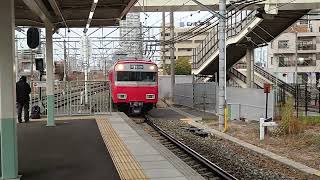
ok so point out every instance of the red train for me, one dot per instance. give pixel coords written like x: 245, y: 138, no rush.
x: 134, y: 85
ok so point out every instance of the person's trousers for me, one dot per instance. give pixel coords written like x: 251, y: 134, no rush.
x: 25, y: 107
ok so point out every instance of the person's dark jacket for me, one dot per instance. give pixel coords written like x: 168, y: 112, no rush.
x: 23, y: 90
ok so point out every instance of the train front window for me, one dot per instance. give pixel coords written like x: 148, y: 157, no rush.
x: 136, y: 76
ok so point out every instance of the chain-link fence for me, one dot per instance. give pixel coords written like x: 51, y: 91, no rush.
x: 74, y: 97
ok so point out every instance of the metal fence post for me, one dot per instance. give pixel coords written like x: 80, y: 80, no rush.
x: 69, y: 98
x: 110, y: 99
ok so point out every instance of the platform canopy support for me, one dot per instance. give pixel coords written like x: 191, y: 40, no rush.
x: 49, y: 72
x: 9, y: 155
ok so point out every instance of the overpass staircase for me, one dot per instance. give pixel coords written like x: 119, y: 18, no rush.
x: 244, y: 29
x: 264, y: 77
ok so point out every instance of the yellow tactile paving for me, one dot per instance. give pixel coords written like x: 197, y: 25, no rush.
x: 127, y: 167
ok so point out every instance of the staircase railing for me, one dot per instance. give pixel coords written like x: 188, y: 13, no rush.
x: 287, y: 87
x: 236, y: 22
x: 242, y: 77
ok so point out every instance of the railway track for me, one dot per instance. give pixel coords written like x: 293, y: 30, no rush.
x: 203, y: 166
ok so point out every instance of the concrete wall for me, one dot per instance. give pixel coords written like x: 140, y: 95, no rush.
x: 248, y: 103
x: 165, y: 83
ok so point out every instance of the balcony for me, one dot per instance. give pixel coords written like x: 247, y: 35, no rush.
x: 306, y: 45
x: 305, y: 63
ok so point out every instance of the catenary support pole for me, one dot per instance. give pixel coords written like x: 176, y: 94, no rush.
x: 252, y: 68
x: 9, y: 155
x: 222, y: 63
x: 49, y: 74
x: 17, y: 59
x: 163, y: 40
x: 172, y: 55
x: 86, y: 68
x: 65, y: 60
x: 248, y: 62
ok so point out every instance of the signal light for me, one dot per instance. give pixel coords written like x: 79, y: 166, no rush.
x: 33, y: 38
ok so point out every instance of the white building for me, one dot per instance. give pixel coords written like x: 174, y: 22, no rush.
x: 296, y: 50
x: 131, y: 35
x: 183, y: 48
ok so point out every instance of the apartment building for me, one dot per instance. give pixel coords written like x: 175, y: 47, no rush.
x: 183, y: 48
x: 296, y: 50
x: 131, y: 35
x: 25, y: 64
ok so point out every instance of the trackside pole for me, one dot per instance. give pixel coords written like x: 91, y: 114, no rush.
x: 222, y: 63
x: 50, y: 88
x: 172, y: 55
x: 9, y: 155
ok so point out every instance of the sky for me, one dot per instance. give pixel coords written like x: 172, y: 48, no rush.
x: 147, y: 19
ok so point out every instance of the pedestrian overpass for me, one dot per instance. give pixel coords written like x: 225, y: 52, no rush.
x: 189, y: 5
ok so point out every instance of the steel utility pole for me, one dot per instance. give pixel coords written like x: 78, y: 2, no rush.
x: 296, y: 54
x: 65, y: 61
x: 163, y: 41
x: 172, y: 54
x: 141, y: 42
x: 222, y: 63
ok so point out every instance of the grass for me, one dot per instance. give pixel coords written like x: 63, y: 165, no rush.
x: 208, y: 119
x: 310, y: 120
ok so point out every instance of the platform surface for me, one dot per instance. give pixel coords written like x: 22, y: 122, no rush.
x: 72, y: 150
x: 150, y: 159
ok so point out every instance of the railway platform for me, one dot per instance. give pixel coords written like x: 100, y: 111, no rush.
x: 97, y: 147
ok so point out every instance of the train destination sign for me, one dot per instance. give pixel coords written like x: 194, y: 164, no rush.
x: 136, y: 66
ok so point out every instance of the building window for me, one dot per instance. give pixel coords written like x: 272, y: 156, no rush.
x: 271, y: 60
x: 304, y: 21
x: 284, y: 61
x: 283, y: 44
x: 186, y: 41
x: 185, y: 49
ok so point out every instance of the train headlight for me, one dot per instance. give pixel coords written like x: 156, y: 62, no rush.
x: 153, y: 67
x: 119, y: 67
x: 122, y: 96
x: 150, y: 96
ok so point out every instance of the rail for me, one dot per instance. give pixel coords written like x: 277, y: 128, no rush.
x: 219, y: 171
x: 236, y: 22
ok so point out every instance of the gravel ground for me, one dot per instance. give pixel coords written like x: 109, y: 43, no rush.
x: 238, y: 161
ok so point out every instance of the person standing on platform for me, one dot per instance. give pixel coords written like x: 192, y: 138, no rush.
x: 23, y: 90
